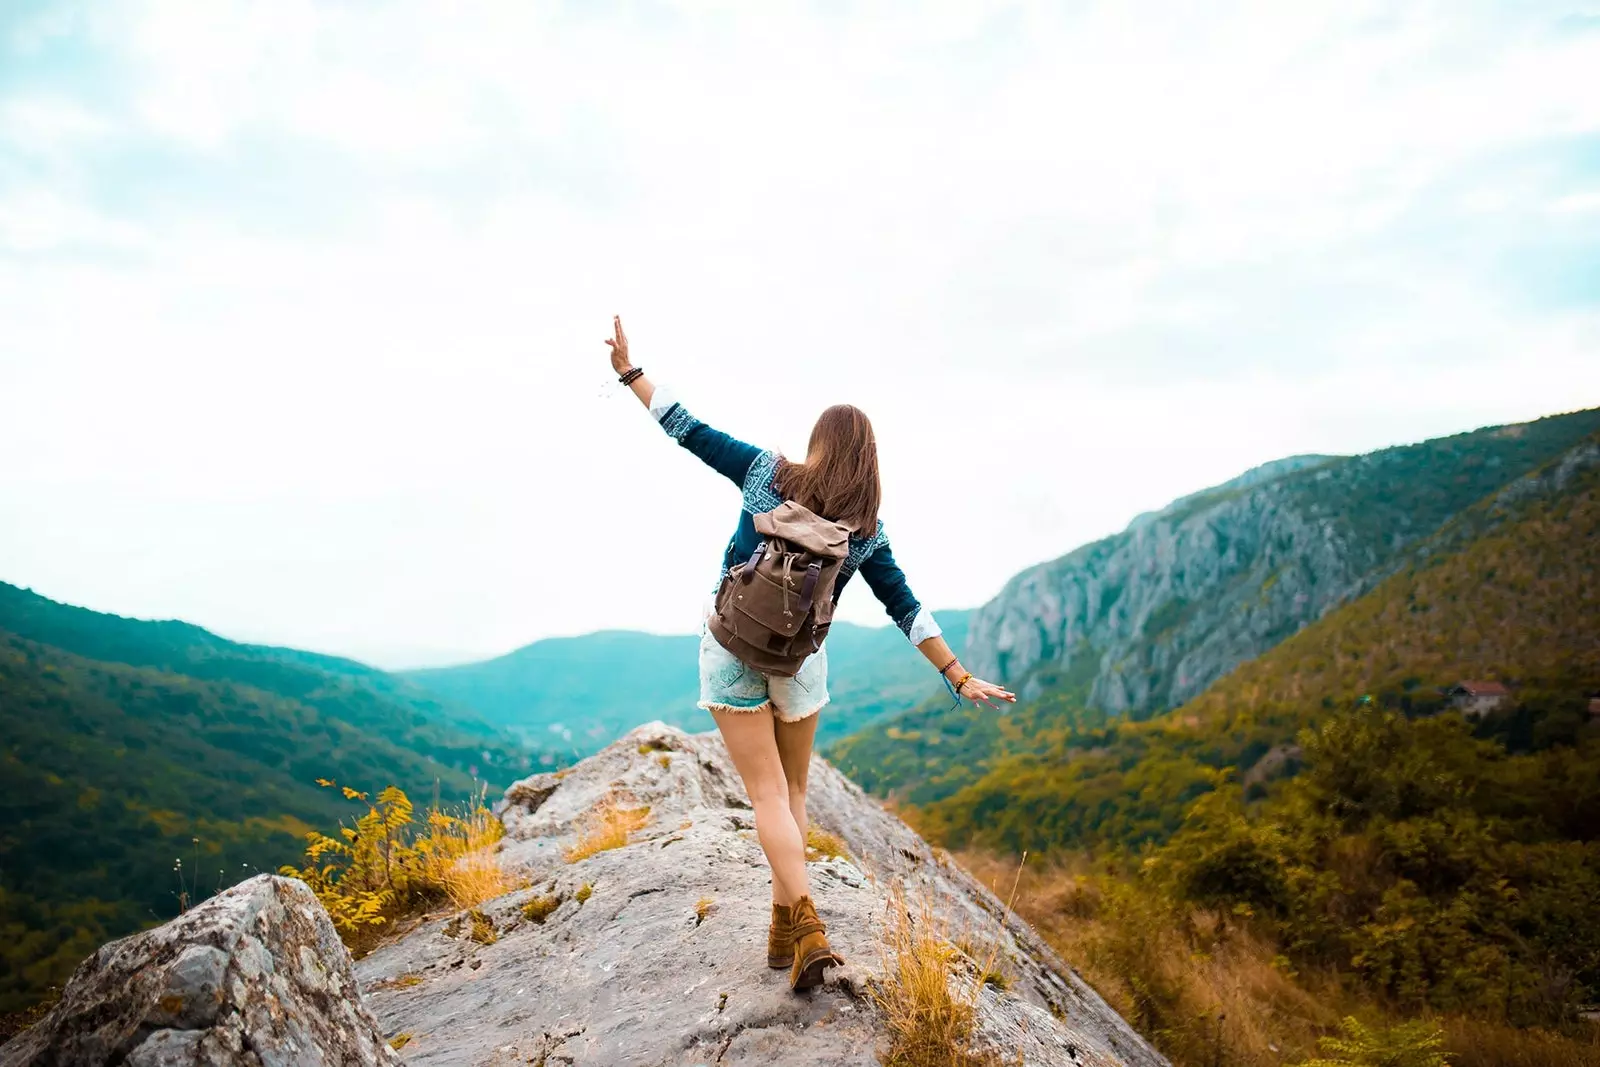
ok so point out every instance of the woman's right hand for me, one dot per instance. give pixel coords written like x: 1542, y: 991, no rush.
x: 619, y: 347
x: 981, y: 692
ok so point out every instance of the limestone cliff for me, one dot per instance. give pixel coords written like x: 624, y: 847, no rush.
x: 1147, y: 618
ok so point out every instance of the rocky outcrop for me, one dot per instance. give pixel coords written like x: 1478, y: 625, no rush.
x: 254, y: 976
x: 1148, y: 618
x: 654, y: 953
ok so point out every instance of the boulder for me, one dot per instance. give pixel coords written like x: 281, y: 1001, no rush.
x: 655, y: 953
x: 254, y: 976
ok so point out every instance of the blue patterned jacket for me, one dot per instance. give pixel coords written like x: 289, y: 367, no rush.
x: 752, y: 469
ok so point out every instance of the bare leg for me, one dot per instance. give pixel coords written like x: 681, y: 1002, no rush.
x: 752, y: 742
x: 794, y: 750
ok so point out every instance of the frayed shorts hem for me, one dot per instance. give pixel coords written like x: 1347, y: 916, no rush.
x: 765, y: 705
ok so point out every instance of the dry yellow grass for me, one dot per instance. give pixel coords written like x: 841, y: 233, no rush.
x: 1472, y: 1043
x: 462, y: 857
x: 607, y: 827
x: 702, y: 909
x: 929, y: 1024
x: 1202, y: 991
x: 821, y: 844
x: 1207, y: 991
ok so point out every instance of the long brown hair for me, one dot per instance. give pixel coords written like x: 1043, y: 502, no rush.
x: 839, y: 479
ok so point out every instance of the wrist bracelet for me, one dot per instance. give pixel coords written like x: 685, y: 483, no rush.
x: 965, y: 678
x: 631, y: 376
x: 952, y: 663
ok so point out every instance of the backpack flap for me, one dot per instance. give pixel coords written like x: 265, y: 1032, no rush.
x: 804, y: 529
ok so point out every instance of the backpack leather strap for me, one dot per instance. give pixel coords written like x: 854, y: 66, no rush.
x: 749, y: 571
x: 809, y: 586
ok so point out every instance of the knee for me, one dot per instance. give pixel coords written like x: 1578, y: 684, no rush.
x: 772, y: 792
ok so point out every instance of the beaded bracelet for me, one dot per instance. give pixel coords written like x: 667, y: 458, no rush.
x: 965, y: 678
x: 953, y: 661
x: 632, y: 375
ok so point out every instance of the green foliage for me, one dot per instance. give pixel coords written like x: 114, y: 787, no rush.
x: 340, y: 691
x: 1513, y: 597
x: 1413, y: 1044
x: 541, y: 907
x: 1438, y: 864
x: 387, y: 866
x: 1415, y: 858
x: 112, y: 768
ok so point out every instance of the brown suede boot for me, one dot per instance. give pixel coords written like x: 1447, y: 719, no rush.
x: 812, y: 954
x: 780, y: 942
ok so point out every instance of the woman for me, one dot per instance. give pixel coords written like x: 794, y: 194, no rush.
x: 768, y: 720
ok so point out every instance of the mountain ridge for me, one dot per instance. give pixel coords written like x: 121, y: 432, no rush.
x: 1146, y: 619
x: 1505, y: 592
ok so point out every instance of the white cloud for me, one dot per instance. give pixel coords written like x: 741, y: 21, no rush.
x: 319, y: 361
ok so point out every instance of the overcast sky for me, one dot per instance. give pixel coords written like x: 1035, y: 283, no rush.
x: 301, y: 305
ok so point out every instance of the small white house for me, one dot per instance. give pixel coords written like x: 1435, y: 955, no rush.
x: 1477, y: 699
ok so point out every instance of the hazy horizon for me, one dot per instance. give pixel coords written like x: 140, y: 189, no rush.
x: 304, y: 304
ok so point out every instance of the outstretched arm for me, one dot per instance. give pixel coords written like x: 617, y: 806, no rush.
x: 889, y: 585
x: 726, y: 455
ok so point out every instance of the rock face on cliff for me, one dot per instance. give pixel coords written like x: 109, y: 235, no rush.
x: 1146, y: 619
x: 254, y: 976
x: 654, y: 953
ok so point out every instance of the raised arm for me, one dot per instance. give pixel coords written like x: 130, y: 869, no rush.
x: 723, y: 453
x: 888, y: 583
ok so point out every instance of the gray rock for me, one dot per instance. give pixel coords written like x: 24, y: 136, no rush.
x: 664, y: 961
x: 256, y: 975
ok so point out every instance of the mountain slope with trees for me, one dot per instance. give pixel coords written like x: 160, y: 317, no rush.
x: 1141, y: 622
x: 1509, y: 592
x: 144, y: 760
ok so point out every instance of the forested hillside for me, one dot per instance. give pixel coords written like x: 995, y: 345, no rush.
x: 130, y: 746
x: 1140, y: 622
x: 1322, y: 834
x: 1512, y: 594
x: 581, y: 693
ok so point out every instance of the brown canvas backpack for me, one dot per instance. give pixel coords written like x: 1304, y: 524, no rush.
x: 774, y: 609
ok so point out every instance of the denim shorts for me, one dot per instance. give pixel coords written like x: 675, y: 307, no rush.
x: 726, y: 684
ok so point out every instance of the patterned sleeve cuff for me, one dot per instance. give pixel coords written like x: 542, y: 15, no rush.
x: 923, y: 626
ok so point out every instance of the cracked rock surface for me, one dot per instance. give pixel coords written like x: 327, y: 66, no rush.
x: 254, y: 976
x: 655, y: 953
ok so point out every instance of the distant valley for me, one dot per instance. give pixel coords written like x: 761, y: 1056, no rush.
x: 576, y: 694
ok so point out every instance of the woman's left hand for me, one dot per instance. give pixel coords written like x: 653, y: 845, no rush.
x: 981, y: 692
